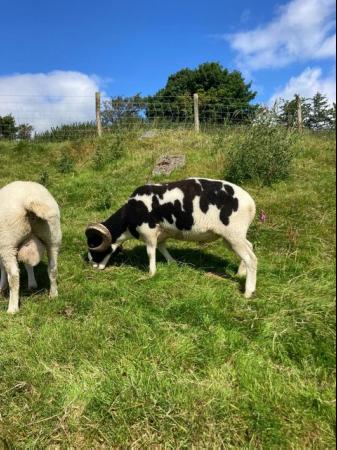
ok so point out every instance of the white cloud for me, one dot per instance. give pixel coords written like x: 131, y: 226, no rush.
x: 303, y: 30
x: 307, y: 84
x: 49, y: 99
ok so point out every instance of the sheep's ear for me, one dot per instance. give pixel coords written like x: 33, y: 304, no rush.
x: 98, y: 237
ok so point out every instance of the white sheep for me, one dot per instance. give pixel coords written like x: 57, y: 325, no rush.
x: 29, y: 225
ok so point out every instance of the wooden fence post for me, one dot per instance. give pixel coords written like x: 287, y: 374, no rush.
x: 196, y: 113
x: 98, y: 114
x: 299, y: 114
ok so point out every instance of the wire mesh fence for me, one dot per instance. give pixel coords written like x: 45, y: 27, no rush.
x: 50, y: 118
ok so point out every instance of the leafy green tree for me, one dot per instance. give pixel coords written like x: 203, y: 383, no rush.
x: 8, y: 128
x: 122, y: 109
x: 224, y: 95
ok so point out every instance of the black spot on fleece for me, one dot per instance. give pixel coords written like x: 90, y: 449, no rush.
x: 135, y: 212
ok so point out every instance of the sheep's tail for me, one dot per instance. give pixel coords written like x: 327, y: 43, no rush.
x: 40, y: 210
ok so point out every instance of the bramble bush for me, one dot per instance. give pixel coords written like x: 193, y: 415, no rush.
x: 263, y: 153
x: 67, y: 132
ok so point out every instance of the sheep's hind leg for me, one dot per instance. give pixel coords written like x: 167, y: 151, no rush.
x: 3, y: 280
x: 163, y: 250
x: 32, y: 284
x: 244, y: 250
x: 52, y: 270
x: 12, y: 269
x: 242, y: 271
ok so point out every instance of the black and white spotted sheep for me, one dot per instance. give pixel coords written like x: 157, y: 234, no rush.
x: 195, y: 209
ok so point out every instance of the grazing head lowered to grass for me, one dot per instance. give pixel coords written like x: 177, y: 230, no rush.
x: 195, y: 209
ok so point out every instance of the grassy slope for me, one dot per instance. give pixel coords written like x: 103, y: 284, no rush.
x: 183, y: 358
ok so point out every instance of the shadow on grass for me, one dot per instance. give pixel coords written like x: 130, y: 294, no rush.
x: 213, y: 266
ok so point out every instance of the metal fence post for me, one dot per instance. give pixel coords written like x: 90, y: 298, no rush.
x: 196, y: 113
x: 98, y: 114
x: 299, y: 113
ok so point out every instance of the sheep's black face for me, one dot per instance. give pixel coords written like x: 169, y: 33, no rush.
x: 94, y: 238
x: 98, y: 257
x: 101, y: 259
x: 99, y: 250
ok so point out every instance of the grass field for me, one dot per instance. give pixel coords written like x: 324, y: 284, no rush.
x: 182, y: 359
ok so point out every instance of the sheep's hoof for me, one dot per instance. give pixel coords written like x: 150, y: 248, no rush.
x: 12, y: 311
x: 32, y: 287
x: 241, y: 273
x: 53, y: 294
x: 249, y: 294
x: 172, y: 261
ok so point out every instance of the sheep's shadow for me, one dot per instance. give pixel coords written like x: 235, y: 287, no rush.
x: 214, y: 266
x: 42, y: 279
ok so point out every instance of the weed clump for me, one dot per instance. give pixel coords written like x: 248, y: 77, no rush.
x: 104, y: 200
x: 109, y: 150
x: 22, y: 146
x: 263, y: 154
x: 44, y: 178
x: 65, y: 164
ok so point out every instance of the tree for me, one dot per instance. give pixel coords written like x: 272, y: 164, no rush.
x: 333, y: 116
x: 321, y: 114
x: 223, y: 95
x: 288, y: 114
x: 8, y: 128
x: 24, y: 131
x: 317, y: 114
x: 122, y: 109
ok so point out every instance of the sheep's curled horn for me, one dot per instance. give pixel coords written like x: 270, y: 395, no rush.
x: 105, y: 234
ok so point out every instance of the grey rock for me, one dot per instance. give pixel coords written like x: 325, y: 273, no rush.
x: 167, y: 164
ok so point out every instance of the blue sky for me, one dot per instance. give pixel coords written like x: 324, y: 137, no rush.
x: 73, y: 47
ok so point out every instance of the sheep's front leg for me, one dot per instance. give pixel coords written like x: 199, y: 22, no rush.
x: 151, y: 251
x: 32, y: 284
x: 3, y: 280
x: 52, y: 270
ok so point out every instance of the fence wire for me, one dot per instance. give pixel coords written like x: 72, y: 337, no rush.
x: 49, y: 118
